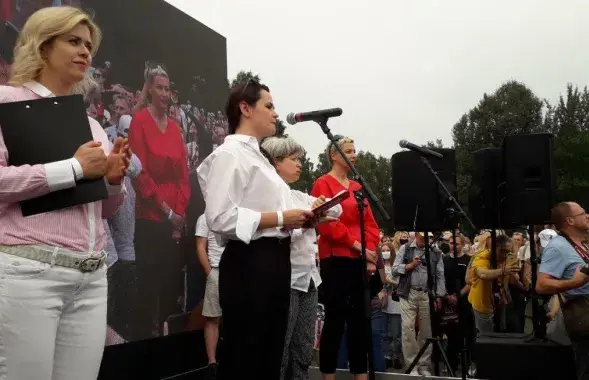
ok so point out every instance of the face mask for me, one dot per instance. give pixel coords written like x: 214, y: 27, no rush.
x: 445, y: 247
x: 403, y: 241
x: 386, y: 255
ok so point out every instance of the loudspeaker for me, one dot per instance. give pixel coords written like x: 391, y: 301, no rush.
x: 530, y: 179
x: 484, y: 193
x: 510, y: 357
x: 418, y: 202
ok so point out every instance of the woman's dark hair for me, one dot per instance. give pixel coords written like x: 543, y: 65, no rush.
x: 248, y: 92
x: 502, y: 241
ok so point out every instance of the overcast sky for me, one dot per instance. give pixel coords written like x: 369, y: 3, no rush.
x: 399, y: 69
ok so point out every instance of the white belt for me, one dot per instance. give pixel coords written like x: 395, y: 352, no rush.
x: 84, y: 262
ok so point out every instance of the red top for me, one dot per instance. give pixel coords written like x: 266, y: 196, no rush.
x: 164, y: 177
x: 337, y: 238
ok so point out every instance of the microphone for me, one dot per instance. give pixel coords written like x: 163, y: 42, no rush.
x: 419, y: 149
x: 293, y: 118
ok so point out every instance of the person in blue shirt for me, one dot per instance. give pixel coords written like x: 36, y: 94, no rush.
x: 560, y: 270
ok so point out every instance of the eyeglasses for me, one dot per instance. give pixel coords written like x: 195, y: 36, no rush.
x: 579, y: 214
x: 250, y: 80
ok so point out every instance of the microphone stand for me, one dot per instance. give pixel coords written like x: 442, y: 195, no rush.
x: 360, y: 195
x: 454, y: 211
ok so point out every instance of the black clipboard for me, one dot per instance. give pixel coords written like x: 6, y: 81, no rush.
x: 46, y: 130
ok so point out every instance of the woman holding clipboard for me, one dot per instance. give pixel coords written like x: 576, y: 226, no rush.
x: 342, y: 267
x: 285, y: 153
x: 53, y: 287
x: 250, y: 209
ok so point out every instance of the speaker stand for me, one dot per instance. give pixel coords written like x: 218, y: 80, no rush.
x: 435, y: 342
x: 538, y: 319
x: 454, y: 213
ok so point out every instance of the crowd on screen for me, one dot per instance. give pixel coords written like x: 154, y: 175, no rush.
x: 142, y: 245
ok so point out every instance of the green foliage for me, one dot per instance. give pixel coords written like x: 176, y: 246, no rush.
x: 244, y: 76
x: 438, y: 144
x: 512, y: 108
x: 323, y: 165
x: 377, y: 172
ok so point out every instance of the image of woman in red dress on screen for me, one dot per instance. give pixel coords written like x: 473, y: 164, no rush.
x: 163, y: 192
x: 342, y: 267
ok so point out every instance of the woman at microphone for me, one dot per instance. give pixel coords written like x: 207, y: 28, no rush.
x: 251, y: 210
x: 285, y: 154
x: 342, y: 267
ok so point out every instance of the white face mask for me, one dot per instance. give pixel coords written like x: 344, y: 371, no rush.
x: 386, y: 255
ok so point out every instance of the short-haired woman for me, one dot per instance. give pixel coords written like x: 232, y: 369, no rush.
x: 53, y: 287
x: 285, y: 154
x: 342, y: 267
x: 251, y: 209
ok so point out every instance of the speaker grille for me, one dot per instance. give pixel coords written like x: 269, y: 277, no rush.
x: 418, y: 202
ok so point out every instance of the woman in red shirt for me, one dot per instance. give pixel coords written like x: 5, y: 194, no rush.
x: 163, y: 192
x: 342, y: 267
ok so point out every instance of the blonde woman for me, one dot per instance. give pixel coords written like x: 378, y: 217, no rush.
x: 480, y: 277
x: 400, y: 238
x: 163, y: 193
x: 53, y: 287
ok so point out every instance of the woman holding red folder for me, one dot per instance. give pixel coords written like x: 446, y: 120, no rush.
x: 53, y: 286
x: 342, y: 266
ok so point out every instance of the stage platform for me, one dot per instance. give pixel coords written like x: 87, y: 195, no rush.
x: 314, y: 374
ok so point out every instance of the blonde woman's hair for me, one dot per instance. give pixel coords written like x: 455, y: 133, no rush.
x: 152, y: 72
x: 331, y: 149
x: 397, y: 238
x: 482, y: 242
x: 41, y: 28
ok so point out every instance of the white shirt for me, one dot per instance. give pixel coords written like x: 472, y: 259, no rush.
x: 238, y: 184
x: 214, y: 251
x: 303, y: 250
x: 392, y: 307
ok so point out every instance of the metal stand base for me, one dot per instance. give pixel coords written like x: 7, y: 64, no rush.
x: 437, y: 345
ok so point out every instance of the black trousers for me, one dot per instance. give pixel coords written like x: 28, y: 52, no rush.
x: 343, y: 298
x: 254, y: 291
x: 160, y: 280
x: 457, y: 332
x: 122, y: 291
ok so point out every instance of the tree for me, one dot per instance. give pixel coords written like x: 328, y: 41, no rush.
x: 512, y: 108
x: 244, y: 76
x: 568, y: 121
x: 377, y: 173
x: 438, y: 144
x: 323, y: 165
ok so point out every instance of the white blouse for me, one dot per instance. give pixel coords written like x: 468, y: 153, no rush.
x: 303, y: 251
x: 238, y: 184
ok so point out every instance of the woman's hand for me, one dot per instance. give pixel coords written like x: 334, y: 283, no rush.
x: 293, y: 219
x: 118, y: 161
x: 176, y: 235
x: 319, y: 201
x: 92, y: 160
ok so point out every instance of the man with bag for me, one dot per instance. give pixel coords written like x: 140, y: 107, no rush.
x: 561, y: 273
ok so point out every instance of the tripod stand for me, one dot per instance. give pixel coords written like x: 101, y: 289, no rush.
x: 360, y: 196
x: 453, y: 213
